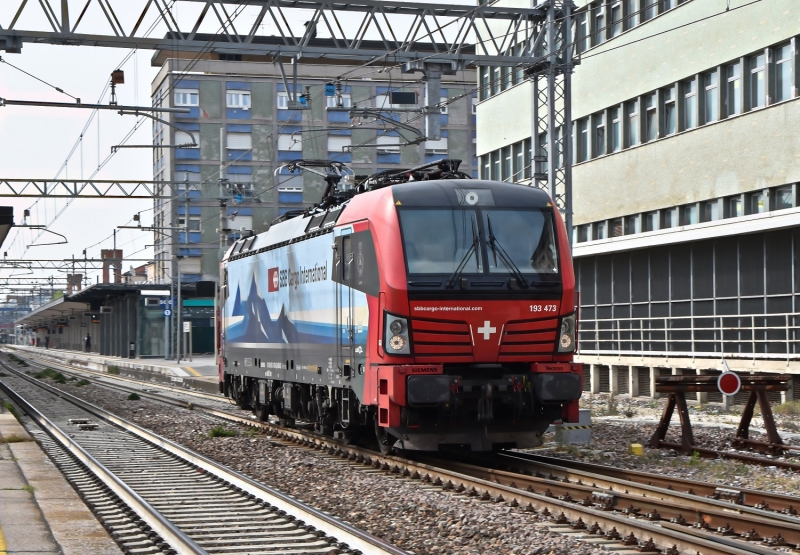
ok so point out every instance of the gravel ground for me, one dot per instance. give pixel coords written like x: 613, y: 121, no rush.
x: 712, y: 428
x: 421, y: 521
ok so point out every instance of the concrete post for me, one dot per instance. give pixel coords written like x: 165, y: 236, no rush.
x: 653, y: 374
x: 702, y: 397
x: 594, y: 373
x: 633, y: 381
x: 613, y: 379
x: 787, y: 396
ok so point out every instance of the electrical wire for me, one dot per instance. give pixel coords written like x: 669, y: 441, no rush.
x: 40, y: 80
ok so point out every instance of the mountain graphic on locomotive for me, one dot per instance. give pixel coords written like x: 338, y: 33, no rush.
x: 420, y: 309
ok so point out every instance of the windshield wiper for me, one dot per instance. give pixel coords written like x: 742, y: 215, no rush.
x: 476, y: 240
x: 497, y: 249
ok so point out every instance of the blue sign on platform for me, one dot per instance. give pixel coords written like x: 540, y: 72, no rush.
x: 167, y: 313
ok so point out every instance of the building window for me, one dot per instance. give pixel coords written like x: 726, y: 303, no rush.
x: 711, y: 97
x: 599, y: 231
x: 496, y: 166
x: 474, y: 106
x: 783, y: 72
x: 388, y: 144
x: 733, y: 92
x: 581, y: 32
x: 616, y: 227
x: 690, y: 104
x: 583, y: 233
x: 651, y: 106
x: 485, y: 167
x: 616, y: 19
x: 666, y: 4
x: 194, y: 222
x: 650, y: 221
x: 600, y: 134
x: 599, y: 25
x: 332, y: 101
x: 758, y: 89
x: 437, y: 147
x: 633, y: 122
x: 709, y: 211
x: 240, y: 141
x: 505, y: 154
x: 669, y: 218
x: 583, y: 140
x: 784, y: 198
x: 293, y: 142
x: 518, y: 161
x: 337, y: 144
x: 758, y: 202
x: 689, y: 214
x: 496, y: 79
x: 670, y: 111
x: 650, y: 9
x: 631, y: 13
x: 486, y: 77
x: 735, y: 208
x: 238, y: 99
x: 632, y: 225
x: 187, y: 97
x: 616, y: 129
x: 283, y: 101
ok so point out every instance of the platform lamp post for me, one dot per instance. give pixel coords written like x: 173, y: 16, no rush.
x: 179, y: 313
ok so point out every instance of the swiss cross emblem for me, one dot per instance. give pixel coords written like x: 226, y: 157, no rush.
x: 273, y: 279
x: 487, y: 330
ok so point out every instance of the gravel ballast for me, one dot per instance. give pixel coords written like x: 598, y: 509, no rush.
x: 420, y: 519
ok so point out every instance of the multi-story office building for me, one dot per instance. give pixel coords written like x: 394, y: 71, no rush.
x: 245, y: 104
x: 685, y: 118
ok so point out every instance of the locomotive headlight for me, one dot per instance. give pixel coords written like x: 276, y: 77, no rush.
x: 566, y: 341
x: 395, y: 335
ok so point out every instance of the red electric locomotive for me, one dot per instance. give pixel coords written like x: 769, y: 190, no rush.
x: 422, y: 308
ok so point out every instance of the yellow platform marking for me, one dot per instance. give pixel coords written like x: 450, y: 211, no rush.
x: 3, y: 545
x: 193, y: 371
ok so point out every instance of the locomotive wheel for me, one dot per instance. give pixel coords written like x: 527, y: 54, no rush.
x: 262, y: 412
x: 385, y: 439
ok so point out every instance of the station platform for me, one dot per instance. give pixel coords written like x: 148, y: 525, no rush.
x: 40, y: 513
x: 199, y: 373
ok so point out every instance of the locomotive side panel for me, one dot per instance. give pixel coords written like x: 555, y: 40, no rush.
x: 284, y: 313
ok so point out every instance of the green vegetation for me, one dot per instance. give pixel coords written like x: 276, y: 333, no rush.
x: 12, y: 439
x: 133, y: 397
x: 790, y: 408
x: 221, y: 431
x: 694, y: 460
x: 29, y: 488
x: 11, y: 408
x: 54, y: 375
x: 81, y: 383
x: 3, y: 375
x: 113, y: 370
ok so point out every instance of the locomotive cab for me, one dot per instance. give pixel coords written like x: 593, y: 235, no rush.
x: 481, y: 332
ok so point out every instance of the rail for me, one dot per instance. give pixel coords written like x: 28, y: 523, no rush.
x: 767, y: 336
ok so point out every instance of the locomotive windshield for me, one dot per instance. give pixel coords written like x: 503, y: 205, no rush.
x: 439, y: 240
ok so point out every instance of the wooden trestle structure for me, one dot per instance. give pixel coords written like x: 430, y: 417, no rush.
x: 676, y: 387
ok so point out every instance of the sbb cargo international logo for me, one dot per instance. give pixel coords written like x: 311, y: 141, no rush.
x: 273, y: 281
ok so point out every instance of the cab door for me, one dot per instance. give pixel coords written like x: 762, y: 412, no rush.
x: 345, y: 318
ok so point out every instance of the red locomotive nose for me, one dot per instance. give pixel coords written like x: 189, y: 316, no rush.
x: 483, y: 331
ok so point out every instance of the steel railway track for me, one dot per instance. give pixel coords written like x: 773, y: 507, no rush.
x: 599, y: 508
x: 166, y: 499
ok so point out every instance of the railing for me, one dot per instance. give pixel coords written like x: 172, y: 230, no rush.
x: 774, y: 336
